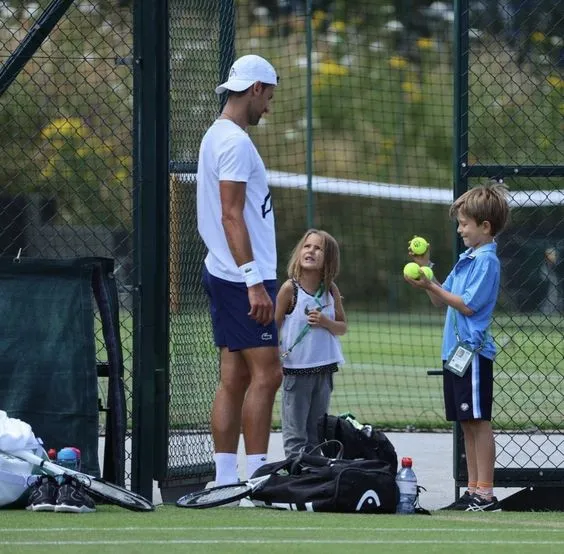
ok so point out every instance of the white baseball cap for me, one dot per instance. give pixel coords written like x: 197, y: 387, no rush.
x: 246, y: 71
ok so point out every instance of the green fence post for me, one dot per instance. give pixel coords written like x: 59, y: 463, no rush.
x: 460, y: 159
x: 226, y: 42
x: 30, y: 44
x: 309, y: 115
x: 151, y: 177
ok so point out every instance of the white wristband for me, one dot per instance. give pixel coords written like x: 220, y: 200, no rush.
x: 251, y: 273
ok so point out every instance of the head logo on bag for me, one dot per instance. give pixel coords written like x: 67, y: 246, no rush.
x: 368, y: 501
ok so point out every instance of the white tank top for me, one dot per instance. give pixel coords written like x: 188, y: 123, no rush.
x: 319, y: 346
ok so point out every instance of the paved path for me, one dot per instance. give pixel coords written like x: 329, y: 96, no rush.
x: 432, y: 463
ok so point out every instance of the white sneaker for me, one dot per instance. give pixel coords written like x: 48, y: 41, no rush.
x: 246, y: 503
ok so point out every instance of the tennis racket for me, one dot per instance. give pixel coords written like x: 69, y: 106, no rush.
x: 224, y: 494
x: 109, y: 492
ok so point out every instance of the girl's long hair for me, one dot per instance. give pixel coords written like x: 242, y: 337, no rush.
x: 331, y: 260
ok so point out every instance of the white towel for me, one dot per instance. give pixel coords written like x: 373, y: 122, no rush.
x: 16, y: 434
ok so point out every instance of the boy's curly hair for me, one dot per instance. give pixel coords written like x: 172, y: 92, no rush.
x: 487, y: 202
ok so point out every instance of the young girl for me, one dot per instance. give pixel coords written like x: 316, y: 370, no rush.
x: 310, y: 316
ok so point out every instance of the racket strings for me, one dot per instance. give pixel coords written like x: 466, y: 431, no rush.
x: 221, y: 494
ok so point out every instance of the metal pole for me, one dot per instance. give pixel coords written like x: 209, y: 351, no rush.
x: 151, y: 153
x: 309, y: 116
x: 226, y: 42
x: 34, y: 39
x: 460, y: 167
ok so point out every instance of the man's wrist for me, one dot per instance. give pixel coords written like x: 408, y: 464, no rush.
x: 251, y: 273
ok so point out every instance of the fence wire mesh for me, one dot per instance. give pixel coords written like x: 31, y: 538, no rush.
x: 379, y: 105
x: 516, y: 68
x: 382, y: 122
x: 66, y: 145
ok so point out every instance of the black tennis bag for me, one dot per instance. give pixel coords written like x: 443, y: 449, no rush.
x: 319, y: 484
x: 358, y: 440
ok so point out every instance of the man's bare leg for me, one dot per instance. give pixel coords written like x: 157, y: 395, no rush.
x: 226, y: 414
x: 266, y: 375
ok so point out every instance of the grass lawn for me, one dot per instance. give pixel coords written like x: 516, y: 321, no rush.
x: 170, y: 529
x: 385, y: 380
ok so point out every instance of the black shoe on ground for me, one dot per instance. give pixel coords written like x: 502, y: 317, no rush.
x: 480, y: 504
x: 73, y: 498
x: 43, y: 495
x: 460, y: 504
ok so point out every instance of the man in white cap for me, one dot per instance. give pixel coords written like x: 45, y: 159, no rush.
x: 236, y: 223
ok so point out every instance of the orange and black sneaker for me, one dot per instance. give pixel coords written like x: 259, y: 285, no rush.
x: 480, y: 504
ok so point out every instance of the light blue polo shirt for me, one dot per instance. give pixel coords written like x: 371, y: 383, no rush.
x: 475, y: 278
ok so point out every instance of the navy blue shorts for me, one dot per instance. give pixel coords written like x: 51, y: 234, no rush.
x: 470, y: 396
x: 229, y: 306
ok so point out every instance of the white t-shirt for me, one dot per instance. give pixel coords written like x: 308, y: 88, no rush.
x: 228, y: 154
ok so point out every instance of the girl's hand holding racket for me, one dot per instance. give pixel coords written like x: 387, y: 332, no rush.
x: 316, y: 319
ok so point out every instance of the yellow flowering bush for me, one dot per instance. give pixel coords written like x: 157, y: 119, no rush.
x: 338, y: 27
x: 555, y: 82
x: 424, y: 43
x: 65, y: 127
x: 86, y: 174
x: 331, y: 68
x: 397, y: 62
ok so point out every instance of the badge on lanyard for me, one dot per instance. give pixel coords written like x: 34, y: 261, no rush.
x: 460, y: 359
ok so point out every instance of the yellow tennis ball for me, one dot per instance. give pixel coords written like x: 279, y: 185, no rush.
x: 411, y: 270
x: 428, y: 272
x: 418, y: 245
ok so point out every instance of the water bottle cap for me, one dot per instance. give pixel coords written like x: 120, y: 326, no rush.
x: 75, y: 450
x: 406, y: 462
x: 66, y: 454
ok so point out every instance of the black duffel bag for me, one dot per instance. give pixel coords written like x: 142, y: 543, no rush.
x: 358, y: 440
x: 314, y: 483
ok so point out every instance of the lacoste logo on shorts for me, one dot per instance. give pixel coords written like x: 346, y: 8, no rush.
x: 266, y: 336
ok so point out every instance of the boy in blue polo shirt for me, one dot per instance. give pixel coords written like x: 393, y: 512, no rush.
x: 470, y: 292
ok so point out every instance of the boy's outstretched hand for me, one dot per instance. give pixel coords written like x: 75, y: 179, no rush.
x: 422, y: 259
x: 421, y: 283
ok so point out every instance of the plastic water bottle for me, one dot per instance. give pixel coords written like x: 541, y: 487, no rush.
x: 407, y: 484
x: 69, y: 457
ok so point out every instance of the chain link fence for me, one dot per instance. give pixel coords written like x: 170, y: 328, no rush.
x: 66, y: 143
x: 359, y: 143
x: 514, y: 131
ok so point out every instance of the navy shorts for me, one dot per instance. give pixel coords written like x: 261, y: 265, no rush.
x: 471, y: 396
x: 229, y: 306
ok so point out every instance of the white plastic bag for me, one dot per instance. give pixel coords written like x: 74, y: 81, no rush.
x: 16, y: 475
